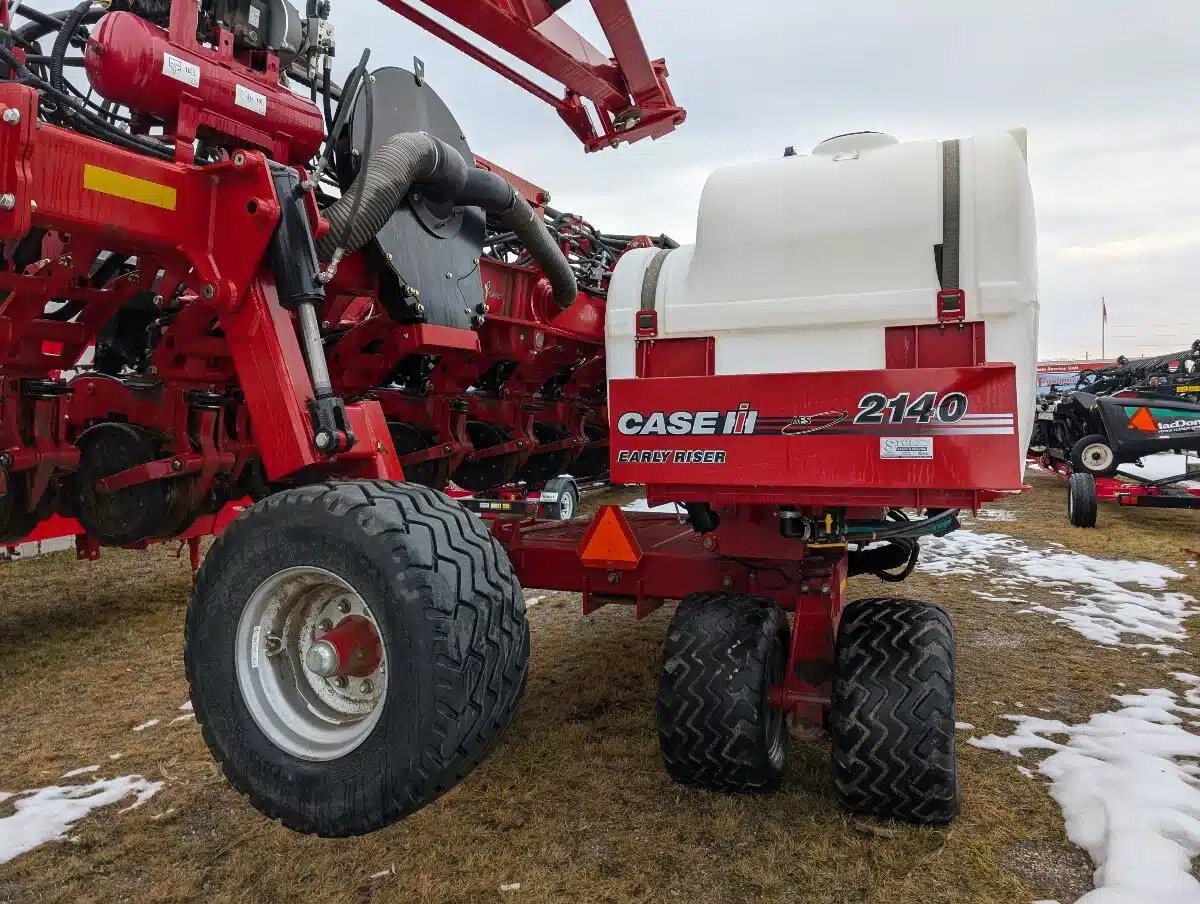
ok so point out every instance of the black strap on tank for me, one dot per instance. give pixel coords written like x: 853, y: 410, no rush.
x: 951, y: 214
x: 650, y: 280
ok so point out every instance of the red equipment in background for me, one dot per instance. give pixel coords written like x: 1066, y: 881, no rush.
x: 338, y: 338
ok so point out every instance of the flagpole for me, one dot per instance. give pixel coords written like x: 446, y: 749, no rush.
x: 1103, y: 327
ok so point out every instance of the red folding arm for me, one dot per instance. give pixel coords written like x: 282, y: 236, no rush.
x: 630, y: 94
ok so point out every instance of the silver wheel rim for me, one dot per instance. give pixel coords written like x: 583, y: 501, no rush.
x: 1097, y: 456
x: 566, y: 505
x: 300, y: 712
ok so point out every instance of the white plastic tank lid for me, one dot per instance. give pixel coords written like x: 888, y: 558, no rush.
x: 853, y: 143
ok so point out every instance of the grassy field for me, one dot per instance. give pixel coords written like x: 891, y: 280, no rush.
x: 574, y: 805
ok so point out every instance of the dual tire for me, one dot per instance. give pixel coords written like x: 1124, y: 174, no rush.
x: 891, y: 718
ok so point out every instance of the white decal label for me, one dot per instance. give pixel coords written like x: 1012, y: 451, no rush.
x: 251, y: 100
x: 181, y: 70
x: 255, y: 16
x: 255, y: 643
x: 920, y: 447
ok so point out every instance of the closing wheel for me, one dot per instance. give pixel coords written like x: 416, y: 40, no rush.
x: 353, y: 651
x: 716, y: 726
x: 1093, y: 455
x: 892, y: 714
x: 1081, y: 500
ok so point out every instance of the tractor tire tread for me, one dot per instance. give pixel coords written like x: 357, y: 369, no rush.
x: 480, y: 645
x: 710, y: 700
x: 892, y: 718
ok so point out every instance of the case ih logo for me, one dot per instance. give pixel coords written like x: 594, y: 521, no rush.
x: 689, y: 423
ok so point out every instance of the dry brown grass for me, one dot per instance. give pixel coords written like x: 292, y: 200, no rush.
x: 574, y: 805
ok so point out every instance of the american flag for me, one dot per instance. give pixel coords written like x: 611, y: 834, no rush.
x: 1104, y: 309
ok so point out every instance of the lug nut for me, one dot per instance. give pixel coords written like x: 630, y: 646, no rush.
x: 325, y: 625
x: 341, y: 681
x: 344, y: 607
x: 273, y: 645
x: 366, y: 687
x: 12, y: 116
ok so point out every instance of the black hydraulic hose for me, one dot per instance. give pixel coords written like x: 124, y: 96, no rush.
x: 360, y: 190
x: 487, y: 190
x: 70, y: 25
x: 94, y: 125
x: 41, y: 24
x: 383, y: 183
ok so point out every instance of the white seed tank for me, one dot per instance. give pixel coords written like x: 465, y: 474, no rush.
x: 801, y: 262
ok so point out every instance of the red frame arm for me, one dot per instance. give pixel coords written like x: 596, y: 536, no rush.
x: 630, y: 94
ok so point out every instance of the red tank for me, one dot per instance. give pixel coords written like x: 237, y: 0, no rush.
x: 198, y: 90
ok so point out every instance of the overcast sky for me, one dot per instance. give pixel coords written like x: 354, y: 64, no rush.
x: 1109, y: 90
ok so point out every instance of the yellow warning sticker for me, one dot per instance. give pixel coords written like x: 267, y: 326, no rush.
x: 131, y: 188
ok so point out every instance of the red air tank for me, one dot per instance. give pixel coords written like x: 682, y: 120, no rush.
x: 199, y: 90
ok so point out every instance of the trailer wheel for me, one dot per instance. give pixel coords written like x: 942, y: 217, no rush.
x: 1093, y: 455
x: 716, y: 727
x: 1081, y: 500
x: 353, y: 651
x: 892, y: 715
x: 560, y: 498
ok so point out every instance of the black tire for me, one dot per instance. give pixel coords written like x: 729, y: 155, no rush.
x: 560, y: 498
x: 892, y: 715
x: 451, y: 618
x: 1081, y: 500
x: 1084, y: 456
x: 716, y: 727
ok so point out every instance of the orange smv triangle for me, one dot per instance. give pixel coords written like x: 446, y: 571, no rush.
x: 1143, y: 420
x: 609, y: 542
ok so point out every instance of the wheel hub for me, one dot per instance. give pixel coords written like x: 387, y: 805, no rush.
x: 1098, y: 456
x: 310, y: 663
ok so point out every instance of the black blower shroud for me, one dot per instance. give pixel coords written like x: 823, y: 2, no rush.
x: 429, y: 245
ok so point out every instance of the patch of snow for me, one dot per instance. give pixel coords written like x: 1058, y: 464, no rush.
x: 964, y: 726
x: 186, y: 707
x: 511, y: 886
x: 163, y: 815
x: 186, y: 717
x: 143, y: 795
x: 82, y: 770
x: 533, y: 601
x: 47, y: 814
x: 145, y: 725
x: 1025, y: 771
x: 994, y: 514
x: 641, y: 505
x: 1105, y: 600
x: 1126, y: 783
x: 115, y: 756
